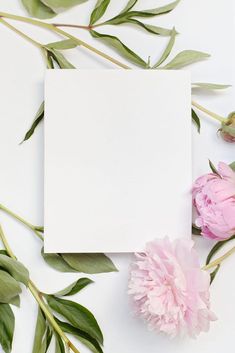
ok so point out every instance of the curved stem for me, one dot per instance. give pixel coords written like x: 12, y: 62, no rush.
x: 21, y: 34
x: 39, y: 298
x: 219, y: 259
x: 22, y: 220
x: 72, y: 26
x: 208, y: 112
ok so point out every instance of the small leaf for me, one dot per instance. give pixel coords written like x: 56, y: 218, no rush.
x: 57, y: 262
x: 196, y: 120
x: 86, y: 339
x: 121, y: 48
x: 214, y: 273
x: 38, y: 9
x: 216, y: 248
x: 196, y: 230
x: 40, y: 332
x: 209, y: 86
x: 184, y: 58
x: 62, y: 44
x: 151, y: 28
x: 154, y: 12
x: 167, y: 50
x: 15, y: 268
x: 39, y: 116
x: 77, y: 315
x: 60, y: 59
x: 129, y: 6
x: 62, y: 5
x: 15, y: 301
x: 89, y: 263
x: 74, y: 288
x: 99, y: 10
x: 59, y: 345
x: 232, y: 165
x: 9, y: 287
x: 213, y: 168
x: 7, y: 327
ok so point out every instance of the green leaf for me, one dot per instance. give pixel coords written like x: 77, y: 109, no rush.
x: 62, y: 44
x: 196, y: 230
x: 15, y: 301
x: 129, y: 6
x: 232, y: 165
x: 61, y: 5
x: 184, y: 58
x: 167, y: 50
x: 216, y: 248
x: 196, y: 120
x: 86, y: 339
x: 154, y: 12
x: 99, y: 10
x: 15, y: 268
x: 39, y: 345
x: 151, y: 28
x: 121, y: 48
x: 59, y: 345
x: 7, y: 327
x: 89, y: 263
x: 38, y: 9
x: 57, y: 262
x: 77, y: 315
x: 74, y: 288
x: 213, y: 168
x: 214, y: 273
x: 39, y: 117
x: 209, y: 86
x: 9, y: 287
x: 60, y: 59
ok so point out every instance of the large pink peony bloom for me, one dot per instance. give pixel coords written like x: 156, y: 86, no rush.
x: 214, y: 199
x: 169, y: 289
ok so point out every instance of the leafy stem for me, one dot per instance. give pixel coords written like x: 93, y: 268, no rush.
x: 219, y: 259
x: 20, y: 219
x: 40, y: 299
x: 208, y: 112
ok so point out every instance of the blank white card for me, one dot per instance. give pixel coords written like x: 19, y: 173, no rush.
x: 117, y: 159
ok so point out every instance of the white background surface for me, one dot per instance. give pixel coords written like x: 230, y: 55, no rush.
x: 204, y: 25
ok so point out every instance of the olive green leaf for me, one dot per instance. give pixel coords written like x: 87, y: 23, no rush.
x: 62, y: 44
x: 15, y: 269
x: 77, y: 315
x: 36, y: 8
x: 9, y: 287
x: 15, y: 301
x: 213, y: 168
x: 167, y: 50
x: 57, y: 262
x: 232, y: 165
x: 99, y: 10
x: 209, y: 86
x: 129, y: 6
x: 151, y: 28
x: 74, y: 288
x: 214, y: 273
x: 196, y: 120
x: 154, y: 12
x: 217, y: 247
x: 89, y: 263
x: 60, y: 59
x: 59, y: 345
x: 184, y: 58
x: 61, y: 5
x: 7, y: 326
x: 196, y: 230
x: 121, y: 48
x: 85, y: 338
x: 39, y: 344
x: 39, y: 117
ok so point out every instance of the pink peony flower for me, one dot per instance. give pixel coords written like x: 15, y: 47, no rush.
x: 214, y: 199
x: 169, y: 289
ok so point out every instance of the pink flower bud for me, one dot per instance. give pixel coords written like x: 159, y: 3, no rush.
x: 227, y: 129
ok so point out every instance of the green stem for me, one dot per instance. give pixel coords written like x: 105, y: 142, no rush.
x: 208, y: 112
x: 20, y: 219
x: 21, y: 34
x: 51, y: 27
x: 39, y: 298
x: 219, y: 259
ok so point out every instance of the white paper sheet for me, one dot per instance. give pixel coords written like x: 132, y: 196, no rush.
x: 117, y: 158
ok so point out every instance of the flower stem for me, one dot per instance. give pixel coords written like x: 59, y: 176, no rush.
x: 20, y: 219
x: 39, y: 298
x: 219, y: 260
x: 21, y: 34
x: 51, y: 27
x: 208, y: 112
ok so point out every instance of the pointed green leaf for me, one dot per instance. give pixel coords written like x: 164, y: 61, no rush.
x: 196, y: 230
x: 184, y: 58
x: 62, y: 44
x: 216, y: 248
x: 154, y: 12
x: 9, y: 287
x: 7, y: 327
x: 57, y: 262
x: 151, y: 28
x: 213, y: 168
x: 15, y: 268
x: 209, y: 86
x: 129, y: 6
x: 59, y: 345
x: 74, y: 288
x: 196, y: 120
x: 99, y: 10
x: 62, y: 5
x: 89, y: 263
x: 214, y: 273
x: 77, y: 315
x: 121, y: 48
x: 38, y: 9
x: 167, y: 50
x: 39, y: 345
x: 60, y: 59
x: 232, y: 165
x: 86, y: 339
x: 39, y: 117
x: 15, y: 301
